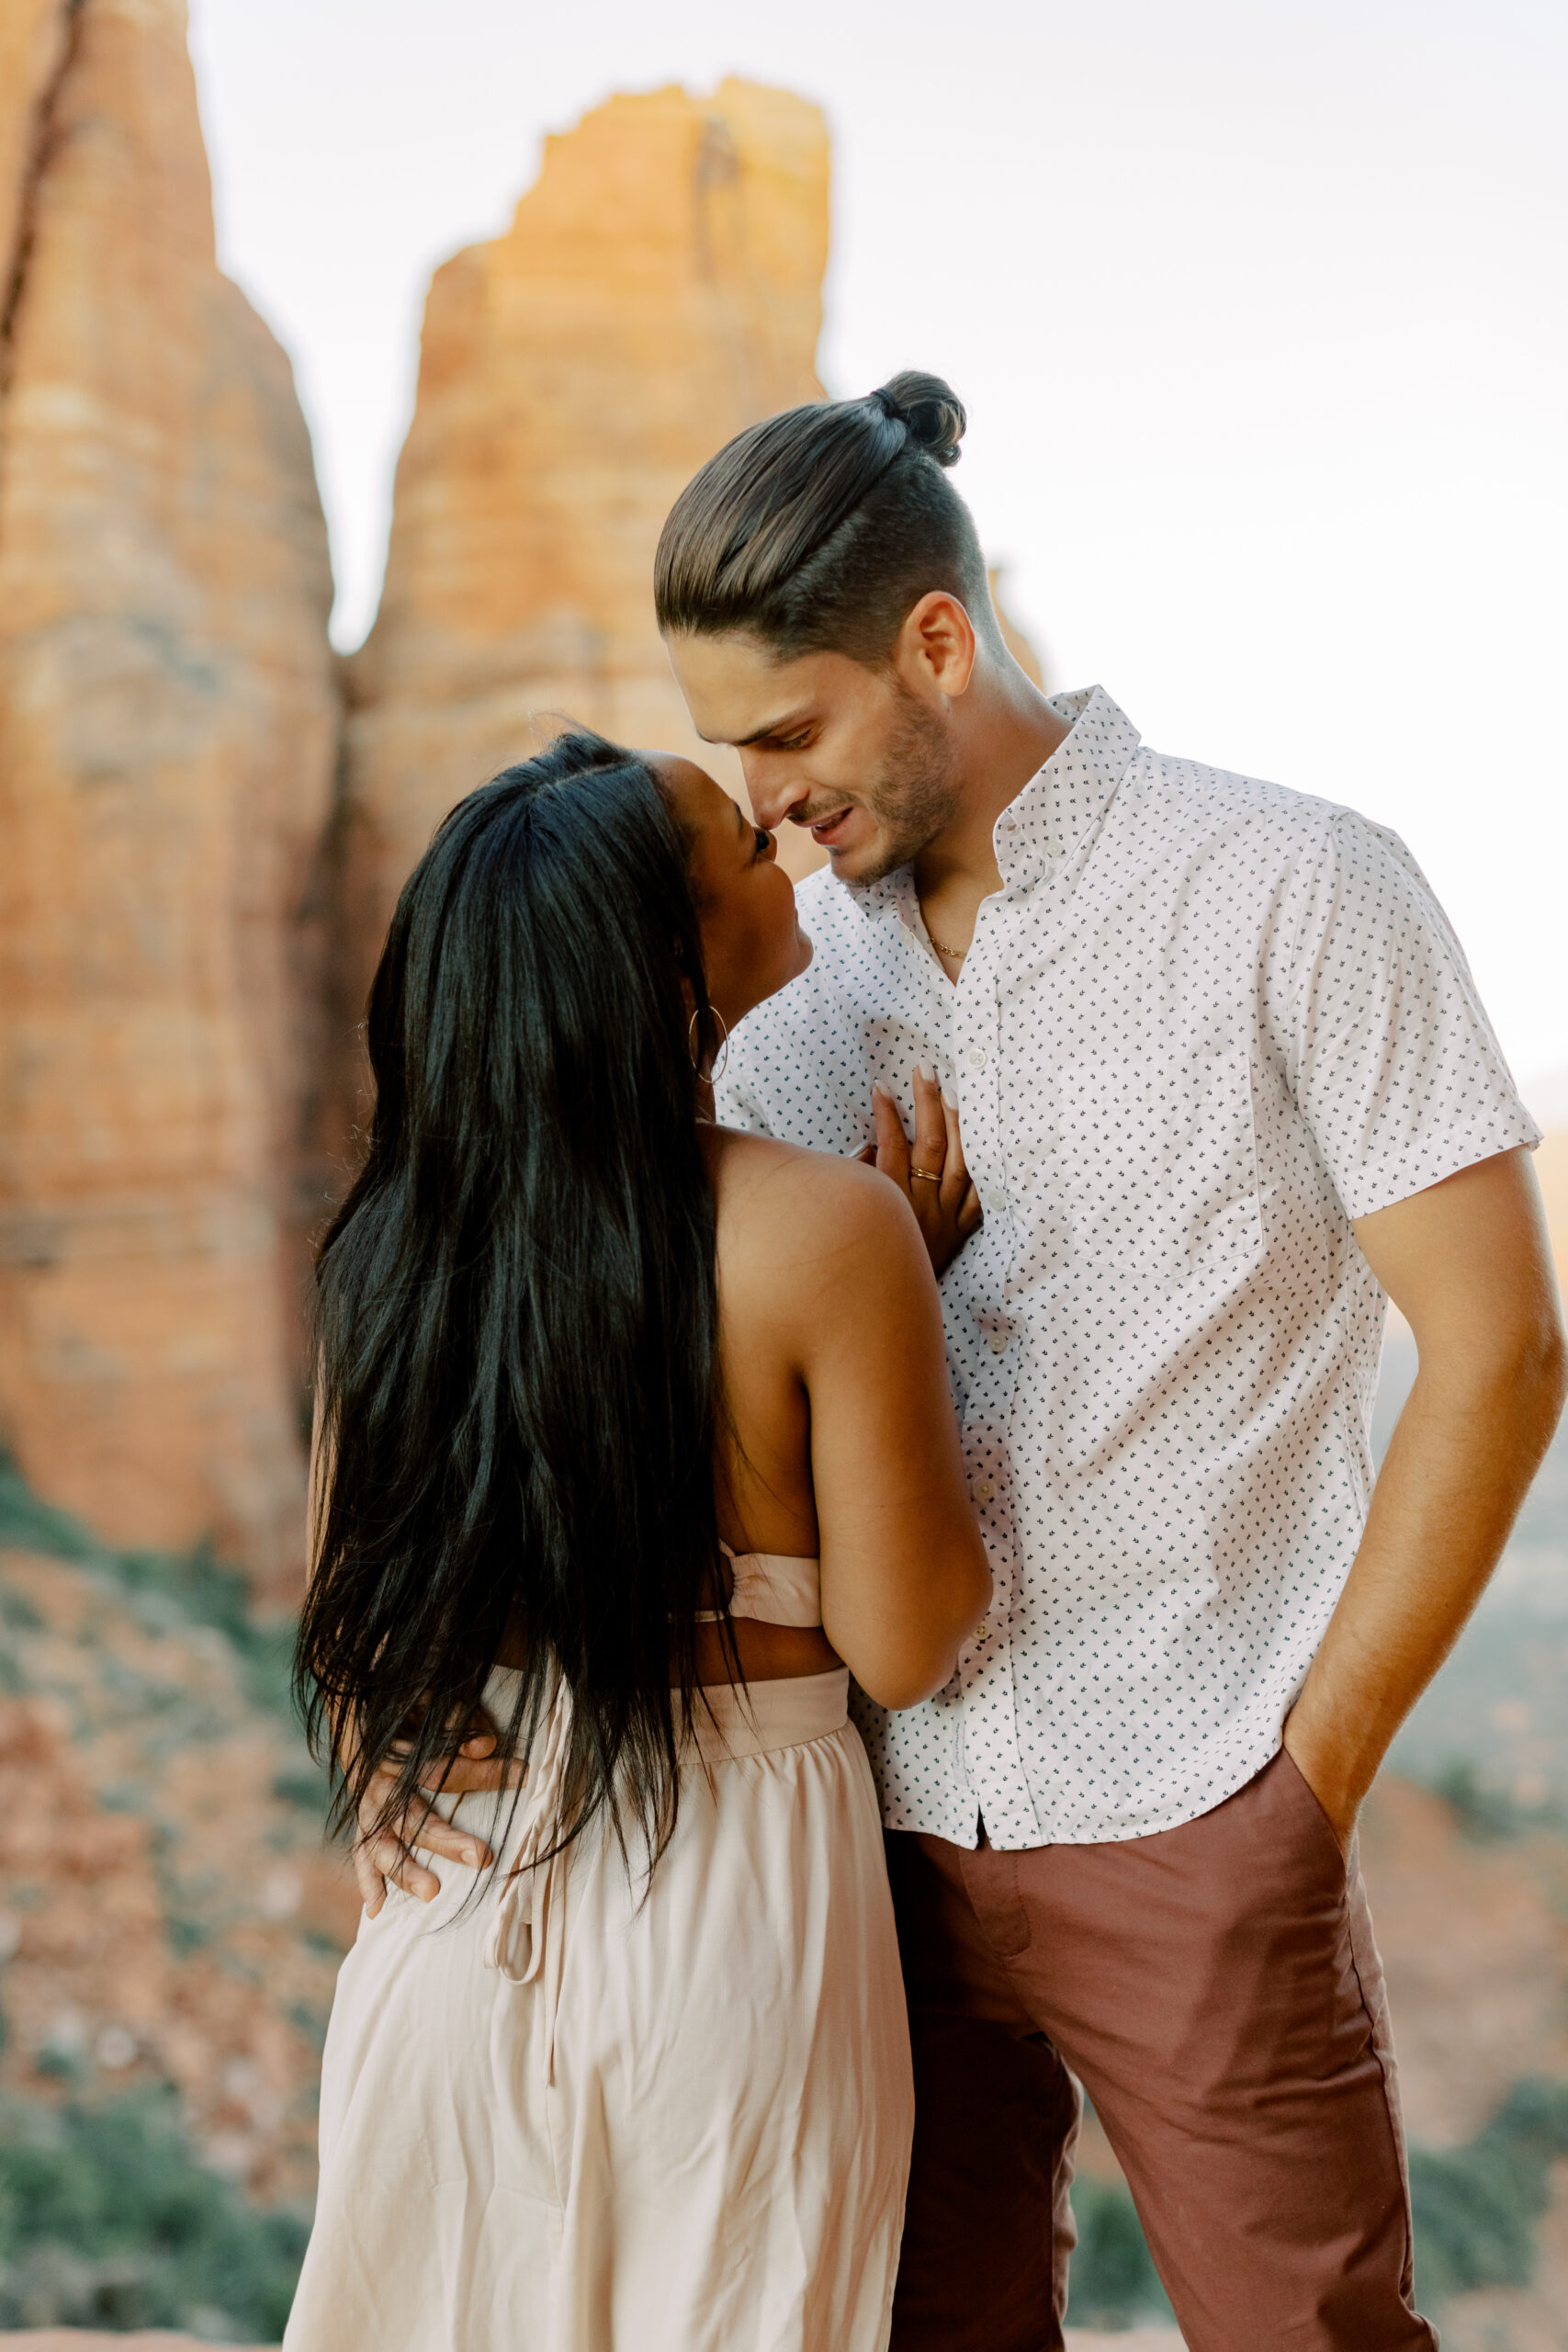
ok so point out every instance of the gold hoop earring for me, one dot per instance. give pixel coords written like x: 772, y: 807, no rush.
x: 722, y: 1061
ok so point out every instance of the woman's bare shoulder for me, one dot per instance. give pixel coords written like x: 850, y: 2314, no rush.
x: 796, y: 1220
x: 757, y: 1175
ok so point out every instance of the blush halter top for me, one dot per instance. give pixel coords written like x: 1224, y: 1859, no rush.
x: 773, y: 1588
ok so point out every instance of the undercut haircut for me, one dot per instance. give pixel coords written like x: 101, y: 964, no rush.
x: 820, y: 529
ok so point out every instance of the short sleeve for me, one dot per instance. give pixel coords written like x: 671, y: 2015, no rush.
x: 1395, y: 1065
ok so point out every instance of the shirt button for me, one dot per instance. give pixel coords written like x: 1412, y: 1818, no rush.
x: 997, y: 1342
x: 1052, y: 849
x: 983, y: 1490
x: 976, y: 1057
x: 982, y: 1631
x: 996, y: 1200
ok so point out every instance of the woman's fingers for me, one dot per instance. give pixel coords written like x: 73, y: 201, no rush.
x: 384, y: 1848
x: 398, y: 1866
x: 430, y: 1835
x: 372, y: 1885
x: 892, y: 1143
x: 955, y: 1183
x: 929, y: 1155
x: 930, y: 1172
x: 422, y: 1830
x: 373, y: 1802
x: 958, y: 1187
x: 384, y: 1852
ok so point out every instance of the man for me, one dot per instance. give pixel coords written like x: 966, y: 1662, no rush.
x: 1224, y: 1081
x: 1224, y: 1085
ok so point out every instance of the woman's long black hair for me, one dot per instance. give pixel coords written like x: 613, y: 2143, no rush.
x: 516, y: 1313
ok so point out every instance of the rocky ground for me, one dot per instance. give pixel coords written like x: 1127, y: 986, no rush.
x: 172, y: 1921
x: 74, y: 2339
x: 171, y: 1928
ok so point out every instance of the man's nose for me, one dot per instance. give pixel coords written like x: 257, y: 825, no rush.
x: 773, y: 792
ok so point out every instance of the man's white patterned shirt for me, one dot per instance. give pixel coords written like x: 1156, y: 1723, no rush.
x: 1205, y: 1025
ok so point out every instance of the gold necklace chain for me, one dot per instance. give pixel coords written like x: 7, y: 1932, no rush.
x: 957, y: 953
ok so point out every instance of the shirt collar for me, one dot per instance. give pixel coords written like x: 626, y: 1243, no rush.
x: 1062, y: 806
x: 1059, y: 808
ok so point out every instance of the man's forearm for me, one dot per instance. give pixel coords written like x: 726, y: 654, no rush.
x: 1468, y: 1443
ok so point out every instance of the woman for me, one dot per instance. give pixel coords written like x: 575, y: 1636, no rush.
x: 635, y: 1433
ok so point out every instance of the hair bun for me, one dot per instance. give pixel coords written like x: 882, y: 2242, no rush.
x: 930, y: 410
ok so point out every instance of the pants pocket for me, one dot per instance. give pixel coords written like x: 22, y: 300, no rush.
x: 1308, y: 1806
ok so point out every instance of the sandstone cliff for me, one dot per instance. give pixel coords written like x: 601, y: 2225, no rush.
x: 168, y: 739
x: 35, y: 44
x: 660, y: 288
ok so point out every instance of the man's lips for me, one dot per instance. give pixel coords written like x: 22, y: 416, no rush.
x: 827, y: 829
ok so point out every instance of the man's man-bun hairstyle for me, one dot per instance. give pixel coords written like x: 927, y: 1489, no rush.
x: 930, y: 411
x: 817, y: 530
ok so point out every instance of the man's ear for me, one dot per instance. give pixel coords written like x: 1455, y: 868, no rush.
x: 937, y: 644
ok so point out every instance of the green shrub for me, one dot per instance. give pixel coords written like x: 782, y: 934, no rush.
x: 1484, y: 1813
x: 34, y: 1526
x: 184, y: 1588
x: 1476, y: 2207
x: 106, y: 2220
x: 1113, y: 2281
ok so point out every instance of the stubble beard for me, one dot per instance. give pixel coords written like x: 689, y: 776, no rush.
x: 916, y: 795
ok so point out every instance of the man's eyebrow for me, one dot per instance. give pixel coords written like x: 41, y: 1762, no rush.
x: 784, y: 726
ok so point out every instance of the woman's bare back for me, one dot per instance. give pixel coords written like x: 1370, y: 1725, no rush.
x: 762, y: 1465
x: 838, y: 1440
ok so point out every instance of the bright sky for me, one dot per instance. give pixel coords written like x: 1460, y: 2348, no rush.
x: 1257, y: 306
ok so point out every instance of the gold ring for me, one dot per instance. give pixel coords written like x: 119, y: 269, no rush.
x: 925, y: 1175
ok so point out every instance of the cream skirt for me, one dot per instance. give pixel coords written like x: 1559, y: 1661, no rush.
x: 567, y: 2119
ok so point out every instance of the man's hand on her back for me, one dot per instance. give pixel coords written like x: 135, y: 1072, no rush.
x: 931, y: 1174
x: 385, y: 1850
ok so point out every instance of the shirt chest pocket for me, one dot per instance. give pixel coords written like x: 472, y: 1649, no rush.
x: 1159, y: 1166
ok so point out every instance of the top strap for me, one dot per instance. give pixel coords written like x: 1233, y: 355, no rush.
x: 774, y: 1587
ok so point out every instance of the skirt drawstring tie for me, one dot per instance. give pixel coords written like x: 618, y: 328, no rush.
x: 525, y: 1943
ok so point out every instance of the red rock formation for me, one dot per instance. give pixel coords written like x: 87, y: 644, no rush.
x: 167, y: 710
x: 35, y: 39
x: 167, y: 730
x: 660, y: 288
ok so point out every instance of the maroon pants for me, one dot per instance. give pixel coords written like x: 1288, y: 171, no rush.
x: 1217, y: 1991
